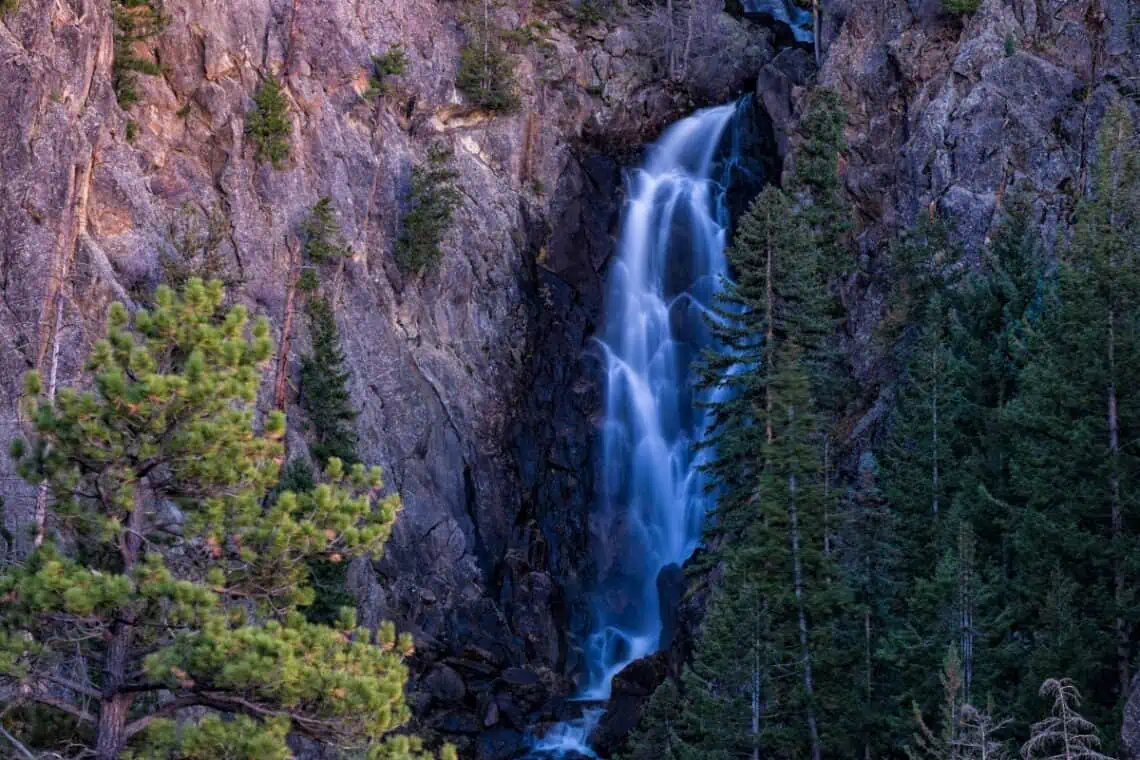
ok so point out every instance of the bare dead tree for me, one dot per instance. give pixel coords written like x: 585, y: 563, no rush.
x: 1065, y: 734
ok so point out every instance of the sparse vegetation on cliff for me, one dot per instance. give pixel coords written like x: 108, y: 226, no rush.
x: 961, y: 7
x: 135, y: 21
x: 431, y: 202
x: 391, y: 64
x: 268, y: 124
x: 486, y: 72
x: 323, y: 239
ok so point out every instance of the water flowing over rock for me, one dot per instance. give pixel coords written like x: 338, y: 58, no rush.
x: 651, y: 493
x: 789, y: 13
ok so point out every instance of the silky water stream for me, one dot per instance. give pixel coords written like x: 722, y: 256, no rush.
x: 651, y: 498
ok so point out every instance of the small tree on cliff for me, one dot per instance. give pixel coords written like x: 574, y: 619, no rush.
x: 177, y: 588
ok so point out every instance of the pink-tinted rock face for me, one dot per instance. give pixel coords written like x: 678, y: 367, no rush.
x: 472, y: 392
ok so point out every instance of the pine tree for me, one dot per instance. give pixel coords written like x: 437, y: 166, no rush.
x: 1065, y: 734
x: 868, y: 551
x: 172, y: 595
x: 1078, y: 507
x: 945, y: 743
x: 268, y: 124
x: 135, y: 21
x: 432, y: 200
x: 657, y: 734
x: 775, y: 295
x: 323, y: 239
x: 486, y: 72
x: 729, y: 700
x: 980, y: 730
x: 324, y: 389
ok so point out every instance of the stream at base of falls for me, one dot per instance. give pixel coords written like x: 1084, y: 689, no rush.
x: 651, y: 497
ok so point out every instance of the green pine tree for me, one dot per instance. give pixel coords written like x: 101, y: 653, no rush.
x: 165, y: 619
x: 432, y: 201
x: 323, y: 239
x: 135, y: 21
x: 268, y: 124
x: 657, y: 735
x: 1074, y: 473
x: 729, y: 707
x: 773, y: 501
x: 774, y: 298
x: 325, y: 396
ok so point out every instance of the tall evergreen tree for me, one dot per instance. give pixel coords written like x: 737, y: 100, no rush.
x: 1078, y: 506
x: 325, y: 395
x: 171, y: 592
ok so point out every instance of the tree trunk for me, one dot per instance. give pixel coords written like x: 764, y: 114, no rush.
x: 805, y: 648
x: 1122, y: 644
x: 769, y: 336
x: 53, y: 373
x: 756, y: 695
x: 115, y: 706
x: 966, y: 606
x: 867, y: 666
x: 934, y: 433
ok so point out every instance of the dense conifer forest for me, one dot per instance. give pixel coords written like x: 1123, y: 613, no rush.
x: 964, y: 586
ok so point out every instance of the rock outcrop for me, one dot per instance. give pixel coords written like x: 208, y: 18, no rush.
x: 953, y: 115
x: 473, y: 382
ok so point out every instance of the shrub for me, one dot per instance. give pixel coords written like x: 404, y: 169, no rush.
x: 8, y: 6
x: 960, y: 7
x: 1010, y: 46
x: 307, y: 281
x: 323, y: 240
x: 268, y: 124
x: 131, y: 131
x: 197, y: 241
x: 432, y: 201
x: 391, y: 64
x: 135, y: 20
x: 487, y: 74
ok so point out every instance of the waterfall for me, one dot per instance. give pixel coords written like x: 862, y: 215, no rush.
x: 670, y: 261
x: 796, y: 18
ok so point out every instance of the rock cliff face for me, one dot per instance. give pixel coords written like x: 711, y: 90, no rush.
x: 475, y: 389
x: 474, y: 393
x: 953, y: 115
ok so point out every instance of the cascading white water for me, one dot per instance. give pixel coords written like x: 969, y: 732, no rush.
x: 670, y: 262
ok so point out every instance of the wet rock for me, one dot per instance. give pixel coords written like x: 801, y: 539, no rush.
x: 491, y: 713
x: 444, y: 684
x: 670, y: 587
x: 499, y: 744
x: 520, y: 677
x: 641, y: 677
x: 459, y: 723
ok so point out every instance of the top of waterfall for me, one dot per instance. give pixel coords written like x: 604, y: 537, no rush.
x: 690, y: 145
x: 785, y: 12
